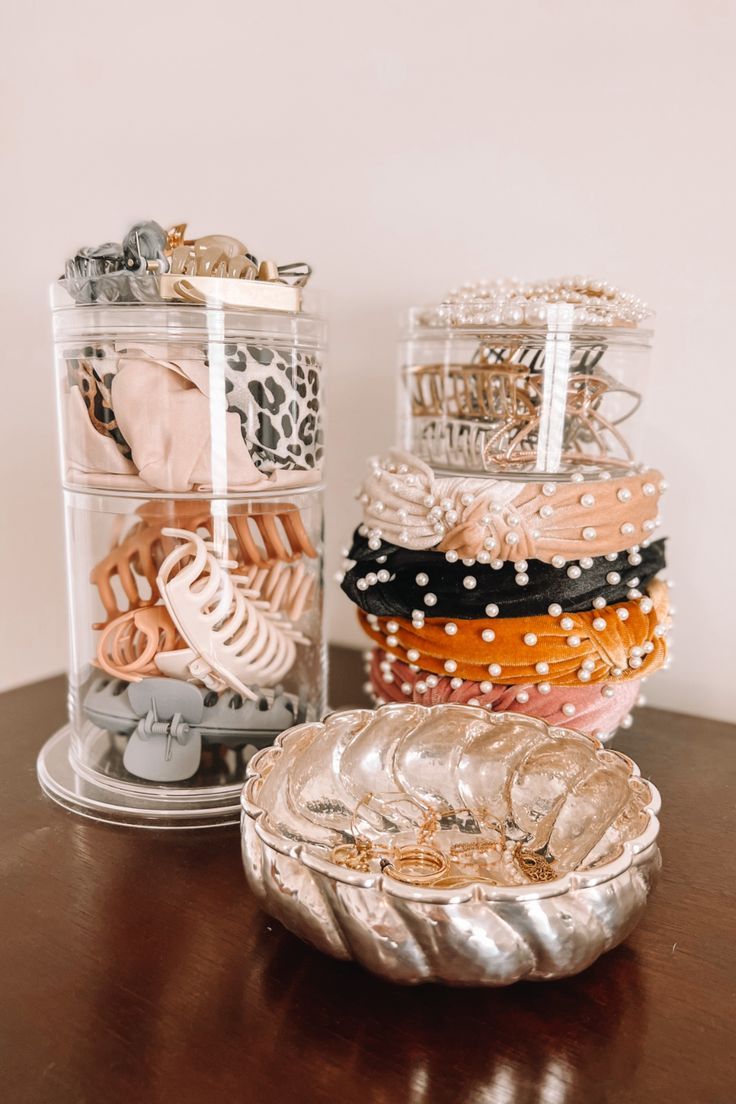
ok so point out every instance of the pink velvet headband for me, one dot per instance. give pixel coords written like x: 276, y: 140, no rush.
x: 596, y: 710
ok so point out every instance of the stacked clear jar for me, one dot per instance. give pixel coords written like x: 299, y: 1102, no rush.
x: 507, y: 554
x: 190, y: 402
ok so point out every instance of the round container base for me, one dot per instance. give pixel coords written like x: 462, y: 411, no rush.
x: 61, y: 782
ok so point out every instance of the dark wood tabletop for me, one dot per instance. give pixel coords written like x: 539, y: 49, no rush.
x: 135, y: 967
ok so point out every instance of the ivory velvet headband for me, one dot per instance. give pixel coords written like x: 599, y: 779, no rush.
x: 596, y: 710
x: 397, y: 581
x: 625, y: 641
x: 405, y: 503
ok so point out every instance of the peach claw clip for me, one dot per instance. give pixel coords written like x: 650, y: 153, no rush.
x: 234, y: 638
x: 263, y: 539
x: 129, y: 645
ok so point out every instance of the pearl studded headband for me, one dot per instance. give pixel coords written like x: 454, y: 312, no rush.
x: 397, y: 582
x: 486, y: 519
x: 596, y: 710
x: 619, y: 642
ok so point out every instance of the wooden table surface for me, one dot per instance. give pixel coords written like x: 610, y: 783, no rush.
x: 136, y: 968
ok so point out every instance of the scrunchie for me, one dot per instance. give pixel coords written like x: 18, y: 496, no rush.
x: 596, y: 710
x: 405, y: 503
x: 624, y: 641
x: 394, y: 582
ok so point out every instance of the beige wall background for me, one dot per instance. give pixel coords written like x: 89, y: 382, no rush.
x: 401, y: 147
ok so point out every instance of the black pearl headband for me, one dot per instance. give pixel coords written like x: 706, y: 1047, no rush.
x: 400, y: 582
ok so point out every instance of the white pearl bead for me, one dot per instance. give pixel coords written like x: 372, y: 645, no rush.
x: 588, y: 500
x: 512, y: 538
x: 622, y: 613
x: 422, y: 579
x: 634, y: 559
x: 486, y: 686
x: 467, y: 499
x: 362, y: 584
x: 450, y: 666
x: 544, y: 688
x: 558, y: 561
x: 607, y: 691
x: 635, y: 662
x: 573, y: 641
x: 554, y: 610
x: 636, y: 650
x: 568, y: 709
x: 522, y: 579
x: 392, y: 626
x: 584, y: 676
x: 384, y: 575
x: 649, y: 489
x: 470, y: 582
x: 451, y: 556
x: 392, y: 641
x: 613, y: 578
x: 566, y: 623
x: 588, y: 665
x: 432, y: 680
x: 530, y: 639
x: 521, y: 565
x: 484, y: 557
x: 522, y: 697
x: 599, y: 624
x: 574, y: 572
x: 549, y: 489
x: 412, y: 655
x: 542, y: 668
x: 623, y: 494
x: 589, y: 533
x: 576, y: 477
x: 473, y: 701
x: 627, y: 528
x: 456, y: 683
x: 488, y: 635
x: 491, y: 610
x: 586, y: 562
x: 547, y: 511
x: 420, y: 687
x: 430, y: 599
x: 494, y: 670
x: 406, y: 688
x: 496, y: 564
x: 450, y: 628
x: 646, y: 605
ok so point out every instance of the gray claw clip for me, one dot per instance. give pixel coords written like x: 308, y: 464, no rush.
x: 166, y: 745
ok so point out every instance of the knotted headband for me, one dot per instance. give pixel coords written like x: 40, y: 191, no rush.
x: 625, y: 641
x: 596, y: 710
x: 393, y: 582
x: 406, y: 503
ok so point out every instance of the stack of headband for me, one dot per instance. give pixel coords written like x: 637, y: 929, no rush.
x: 536, y: 597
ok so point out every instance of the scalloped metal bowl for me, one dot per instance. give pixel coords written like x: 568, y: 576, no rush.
x: 560, y: 793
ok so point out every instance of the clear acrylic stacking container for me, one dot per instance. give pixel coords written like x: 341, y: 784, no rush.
x: 191, y: 457
x: 517, y: 401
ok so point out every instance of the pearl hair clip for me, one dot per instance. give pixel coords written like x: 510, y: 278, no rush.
x: 233, y: 636
x: 512, y: 303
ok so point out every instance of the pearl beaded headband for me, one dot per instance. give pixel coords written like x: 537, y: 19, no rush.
x: 596, y: 710
x: 619, y: 642
x: 513, y: 303
x: 491, y: 519
x: 397, y: 582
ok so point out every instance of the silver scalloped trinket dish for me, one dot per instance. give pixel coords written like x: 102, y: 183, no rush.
x: 448, y: 844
